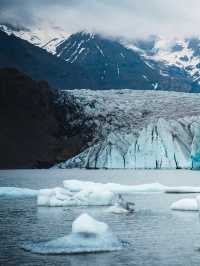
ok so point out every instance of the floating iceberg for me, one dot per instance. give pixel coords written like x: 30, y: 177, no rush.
x: 85, y: 224
x: 88, y: 235
x: 14, y: 192
x: 58, y: 197
x: 185, y: 205
x: 76, y: 186
x: 117, y: 209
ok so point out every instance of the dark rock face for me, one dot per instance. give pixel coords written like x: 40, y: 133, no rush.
x: 36, y: 62
x: 32, y: 134
x: 113, y: 66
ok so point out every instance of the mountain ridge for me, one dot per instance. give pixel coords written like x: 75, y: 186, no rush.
x: 112, y: 64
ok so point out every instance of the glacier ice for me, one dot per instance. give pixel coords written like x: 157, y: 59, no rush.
x: 138, y: 129
x: 14, y: 192
x: 58, y: 197
x: 185, y: 205
x: 88, y: 235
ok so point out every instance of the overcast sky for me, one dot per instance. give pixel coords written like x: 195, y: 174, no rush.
x: 126, y: 18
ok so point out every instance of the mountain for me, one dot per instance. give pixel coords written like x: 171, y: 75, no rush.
x: 111, y: 64
x: 114, y: 66
x: 42, y: 127
x: 39, y: 64
x: 35, y: 131
x: 181, y: 53
x: 138, y: 129
x: 44, y: 36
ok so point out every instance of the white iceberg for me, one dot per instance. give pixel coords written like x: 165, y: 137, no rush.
x: 85, y: 224
x: 14, y: 192
x: 117, y: 209
x: 58, y: 197
x: 186, y: 204
x: 76, y: 186
x: 88, y: 235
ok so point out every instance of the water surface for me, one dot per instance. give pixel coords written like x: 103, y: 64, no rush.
x: 157, y: 235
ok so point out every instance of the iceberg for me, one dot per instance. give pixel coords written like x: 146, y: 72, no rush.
x: 186, y: 204
x: 59, y: 197
x: 85, y: 224
x: 15, y: 192
x: 77, y: 186
x: 117, y: 209
x: 88, y: 235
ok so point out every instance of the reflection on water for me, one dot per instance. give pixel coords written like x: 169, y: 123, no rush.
x: 157, y: 235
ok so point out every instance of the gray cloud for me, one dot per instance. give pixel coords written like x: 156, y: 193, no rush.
x: 127, y: 18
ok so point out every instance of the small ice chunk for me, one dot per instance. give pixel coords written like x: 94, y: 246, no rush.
x: 88, y: 225
x: 14, y: 192
x: 117, y: 209
x: 185, y: 205
x: 88, y: 235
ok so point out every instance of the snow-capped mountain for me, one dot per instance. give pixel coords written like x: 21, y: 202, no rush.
x: 45, y: 36
x: 137, y: 129
x: 114, y: 64
x: 41, y: 65
x: 182, y: 53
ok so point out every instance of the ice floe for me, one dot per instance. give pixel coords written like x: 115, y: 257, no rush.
x: 186, y: 204
x: 117, y: 209
x: 76, y: 186
x: 58, y: 197
x: 86, y: 193
x: 14, y: 192
x: 88, y: 235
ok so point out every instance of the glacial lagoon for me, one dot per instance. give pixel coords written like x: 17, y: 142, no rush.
x: 156, y: 235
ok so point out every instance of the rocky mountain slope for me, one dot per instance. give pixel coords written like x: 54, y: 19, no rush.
x: 138, y: 129
x: 108, y: 63
x: 44, y: 36
x: 41, y: 127
x: 36, y: 62
x: 114, y: 66
x: 181, y: 53
x: 33, y: 133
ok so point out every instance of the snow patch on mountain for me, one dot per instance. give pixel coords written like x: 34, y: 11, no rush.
x: 45, y: 36
x: 182, y: 53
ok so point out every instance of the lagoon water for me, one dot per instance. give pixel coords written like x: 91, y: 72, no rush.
x: 157, y: 236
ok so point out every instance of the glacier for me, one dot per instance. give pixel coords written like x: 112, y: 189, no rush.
x: 88, y: 235
x: 137, y: 129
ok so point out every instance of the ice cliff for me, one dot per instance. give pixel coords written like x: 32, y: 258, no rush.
x: 137, y: 129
